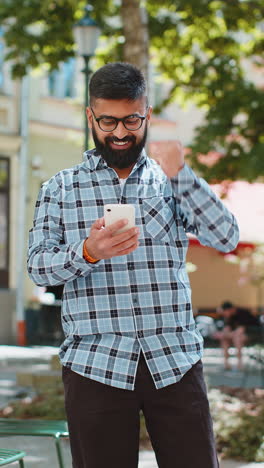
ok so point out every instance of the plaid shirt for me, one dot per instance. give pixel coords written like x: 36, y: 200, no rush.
x: 142, y: 301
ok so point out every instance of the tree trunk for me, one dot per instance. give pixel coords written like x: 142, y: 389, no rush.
x: 135, y: 26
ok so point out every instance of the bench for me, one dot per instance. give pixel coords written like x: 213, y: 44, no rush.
x: 8, y: 456
x: 35, y: 427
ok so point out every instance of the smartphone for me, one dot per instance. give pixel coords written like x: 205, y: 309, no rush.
x: 115, y: 212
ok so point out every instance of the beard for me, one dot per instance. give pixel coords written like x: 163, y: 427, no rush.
x: 121, y: 159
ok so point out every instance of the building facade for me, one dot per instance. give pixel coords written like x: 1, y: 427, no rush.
x: 55, y: 141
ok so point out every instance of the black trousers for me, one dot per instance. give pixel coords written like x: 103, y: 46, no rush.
x: 104, y: 421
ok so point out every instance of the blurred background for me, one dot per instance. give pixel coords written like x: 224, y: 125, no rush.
x: 203, y: 61
x: 204, y: 65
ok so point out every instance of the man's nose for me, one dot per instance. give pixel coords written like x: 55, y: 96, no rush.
x: 120, y: 131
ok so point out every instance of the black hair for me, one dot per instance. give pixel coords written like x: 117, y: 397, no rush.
x: 227, y: 305
x: 118, y: 80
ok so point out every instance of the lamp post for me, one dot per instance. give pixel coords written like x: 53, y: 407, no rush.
x: 86, y: 34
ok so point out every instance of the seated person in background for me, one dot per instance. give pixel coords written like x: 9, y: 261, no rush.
x: 236, y: 321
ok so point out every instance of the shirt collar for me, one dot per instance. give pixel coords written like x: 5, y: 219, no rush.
x: 94, y: 160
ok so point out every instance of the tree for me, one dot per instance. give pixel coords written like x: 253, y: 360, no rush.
x: 134, y: 18
x: 202, y: 47
x: 37, y: 32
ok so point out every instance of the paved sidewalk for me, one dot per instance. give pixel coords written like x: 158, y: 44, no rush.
x: 41, y: 451
x: 250, y: 377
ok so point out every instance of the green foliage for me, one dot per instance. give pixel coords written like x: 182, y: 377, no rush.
x: 238, y: 425
x: 47, y: 405
x: 246, y: 438
x: 233, y: 128
x: 199, y: 46
x: 37, y: 32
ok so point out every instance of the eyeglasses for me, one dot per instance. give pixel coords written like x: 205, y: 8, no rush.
x: 107, y: 123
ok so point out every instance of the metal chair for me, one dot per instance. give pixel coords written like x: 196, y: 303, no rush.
x: 8, y: 456
x: 35, y: 427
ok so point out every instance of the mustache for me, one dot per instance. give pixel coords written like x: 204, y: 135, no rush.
x: 114, y: 139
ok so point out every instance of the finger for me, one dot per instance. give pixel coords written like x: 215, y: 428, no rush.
x: 128, y: 250
x: 127, y: 244
x: 112, y: 228
x: 98, y: 224
x: 124, y: 236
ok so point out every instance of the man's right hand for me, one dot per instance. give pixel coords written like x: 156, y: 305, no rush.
x: 104, y: 242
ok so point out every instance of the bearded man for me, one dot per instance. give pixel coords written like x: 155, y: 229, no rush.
x: 131, y: 343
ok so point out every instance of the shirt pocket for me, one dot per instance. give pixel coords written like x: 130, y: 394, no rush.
x: 160, y: 218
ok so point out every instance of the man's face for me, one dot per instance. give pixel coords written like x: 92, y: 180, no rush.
x: 120, y: 147
x: 227, y: 313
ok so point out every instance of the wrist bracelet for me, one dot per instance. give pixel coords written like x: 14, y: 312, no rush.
x: 88, y: 257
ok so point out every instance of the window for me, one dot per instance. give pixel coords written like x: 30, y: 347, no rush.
x: 4, y: 221
x: 61, y: 82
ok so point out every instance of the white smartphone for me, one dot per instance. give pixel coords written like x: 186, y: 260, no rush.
x: 115, y: 212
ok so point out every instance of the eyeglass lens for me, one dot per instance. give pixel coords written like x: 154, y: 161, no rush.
x: 130, y: 123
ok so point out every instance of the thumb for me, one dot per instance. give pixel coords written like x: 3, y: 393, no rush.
x: 98, y: 224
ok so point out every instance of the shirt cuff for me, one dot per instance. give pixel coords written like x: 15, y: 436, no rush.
x: 77, y: 256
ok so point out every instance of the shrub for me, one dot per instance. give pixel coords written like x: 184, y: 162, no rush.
x: 239, y: 424
x: 48, y: 405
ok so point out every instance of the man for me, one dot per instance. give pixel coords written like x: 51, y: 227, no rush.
x: 131, y: 342
x: 236, y: 322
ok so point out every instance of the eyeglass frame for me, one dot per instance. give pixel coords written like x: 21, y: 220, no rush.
x: 117, y: 120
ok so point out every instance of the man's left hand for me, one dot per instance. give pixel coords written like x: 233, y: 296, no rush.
x: 170, y: 156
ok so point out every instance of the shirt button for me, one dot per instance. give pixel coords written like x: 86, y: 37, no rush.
x: 140, y: 334
x: 131, y: 266
x: 135, y: 300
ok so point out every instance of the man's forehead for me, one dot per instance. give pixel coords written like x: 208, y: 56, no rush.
x: 119, y: 107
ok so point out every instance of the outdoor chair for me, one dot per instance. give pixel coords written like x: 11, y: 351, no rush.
x: 35, y: 427
x: 8, y: 456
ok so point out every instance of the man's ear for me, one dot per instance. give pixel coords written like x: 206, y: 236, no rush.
x: 150, y: 109
x: 89, y: 116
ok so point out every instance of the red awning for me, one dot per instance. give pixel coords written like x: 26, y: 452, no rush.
x: 241, y: 245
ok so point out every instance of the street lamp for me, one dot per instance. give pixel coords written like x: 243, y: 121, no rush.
x: 86, y: 34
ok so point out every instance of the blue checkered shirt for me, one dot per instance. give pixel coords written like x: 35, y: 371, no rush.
x: 116, y: 308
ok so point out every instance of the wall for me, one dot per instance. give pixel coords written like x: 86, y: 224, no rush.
x: 54, y: 154
x: 216, y: 280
